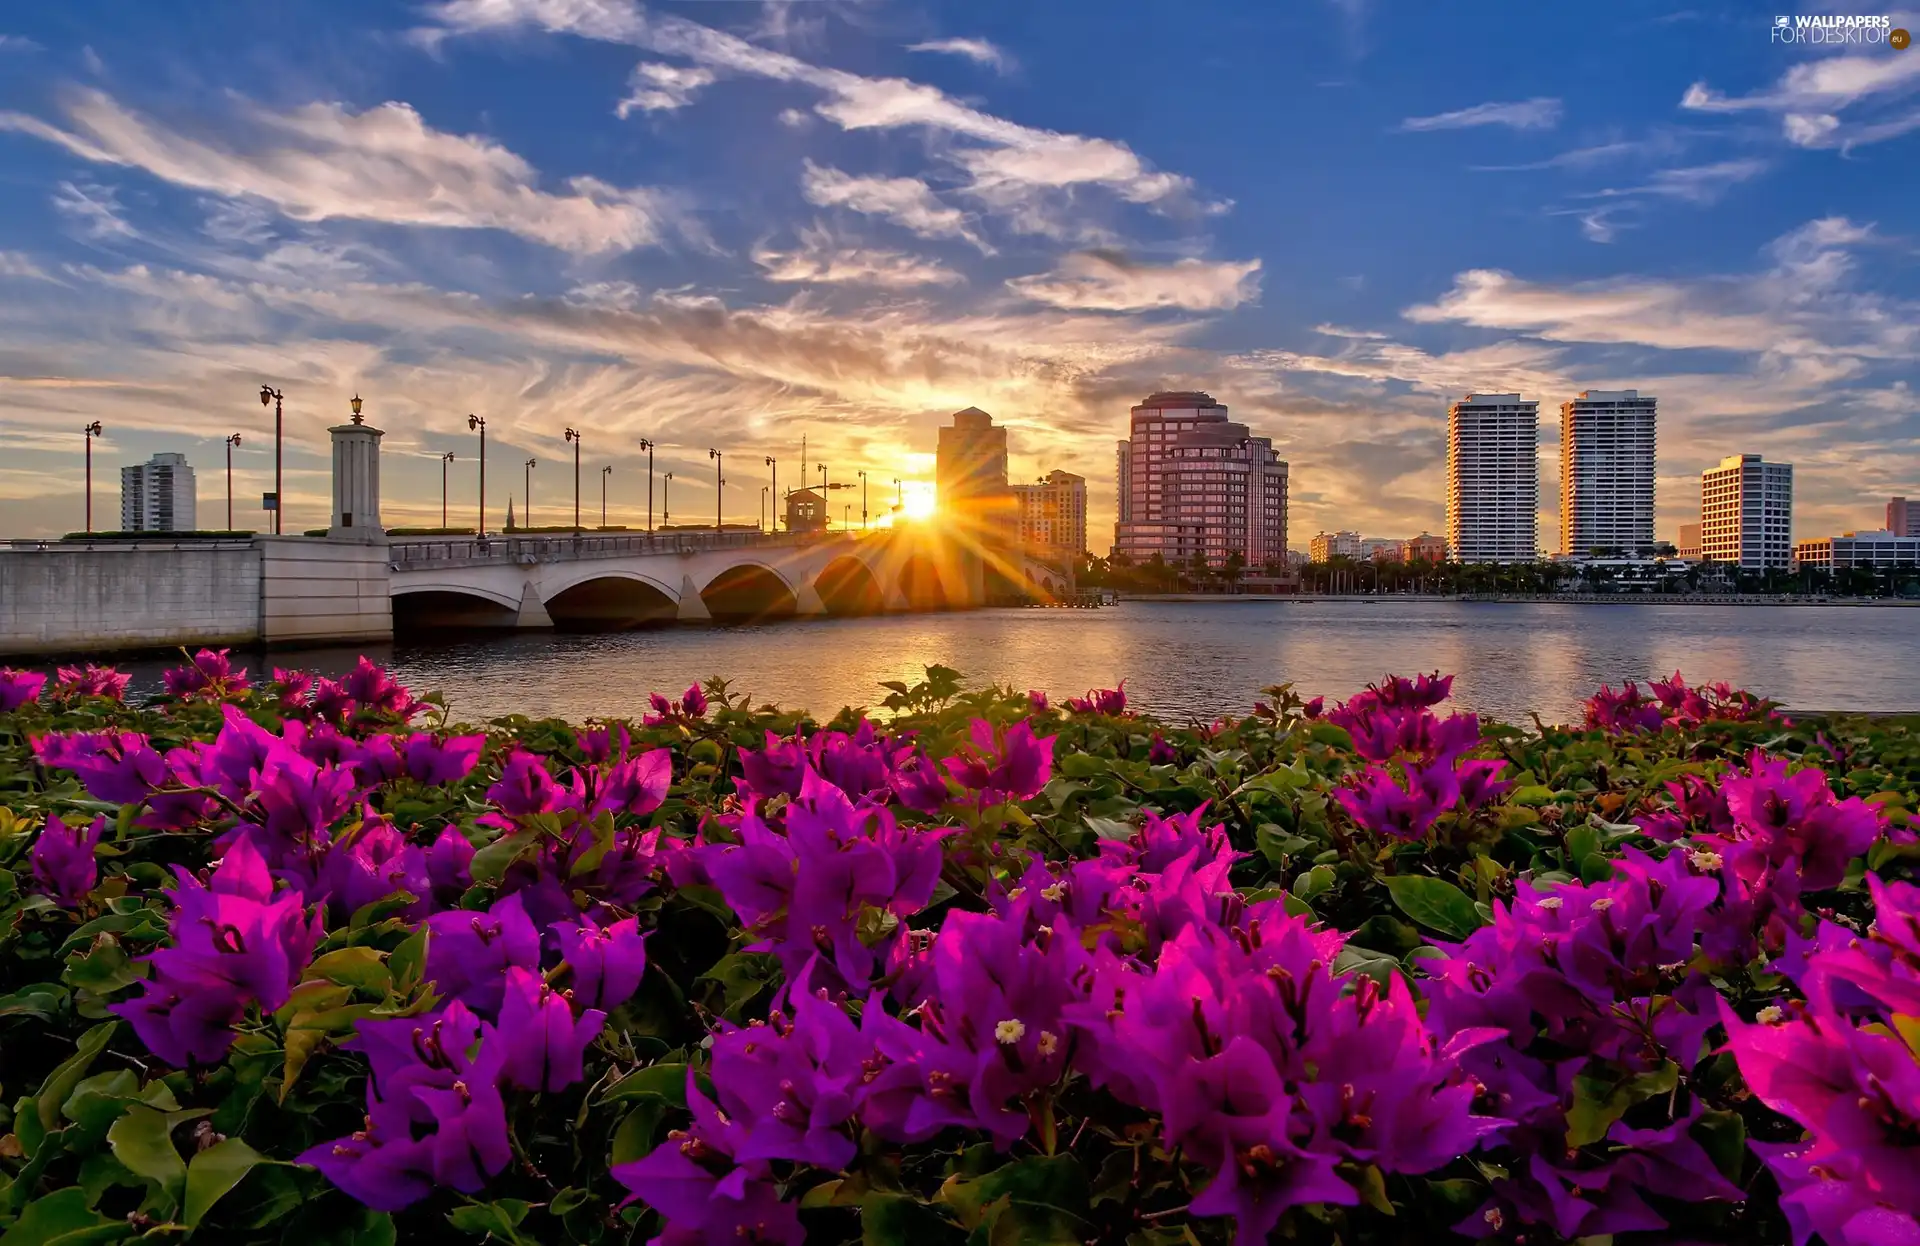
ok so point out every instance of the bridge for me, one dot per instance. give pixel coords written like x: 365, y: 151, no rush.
x: 624, y: 580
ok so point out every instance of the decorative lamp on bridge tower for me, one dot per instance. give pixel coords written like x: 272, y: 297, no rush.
x: 356, y: 479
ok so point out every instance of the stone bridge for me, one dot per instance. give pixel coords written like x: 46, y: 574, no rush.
x: 599, y: 580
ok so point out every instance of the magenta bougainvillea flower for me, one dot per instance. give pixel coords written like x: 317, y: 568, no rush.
x: 209, y: 674
x: 18, y: 688
x: 1003, y: 763
x: 607, y: 961
x: 469, y: 954
x: 90, y: 681
x: 62, y: 859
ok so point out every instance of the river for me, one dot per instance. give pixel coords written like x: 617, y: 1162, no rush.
x: 1191, y: 659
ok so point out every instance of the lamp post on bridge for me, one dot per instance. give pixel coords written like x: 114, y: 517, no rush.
x: 719, y: 488
x: 526, y: 496
x: 232, y: 441
x: 445, y: 459
x: 648, y: 447
x: 899, y: 495
x: 763, y: 507
x: 826, y: 512
x: 573, y: 435
x: 666, y: 508
x: 605, y: 472
x: 863, y: 499
x: 474, y: 421
x: 91, y: 430
x: 268, y: 394
x: 773, y: 465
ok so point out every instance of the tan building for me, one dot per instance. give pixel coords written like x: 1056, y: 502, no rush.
x: 1607, y: 442
x: 1326, y: 546
x: 1425, y: 548
x: 1053, y: 513
x: 1687, y: 548
x: 1493, y: 478
x: 1746, y: 512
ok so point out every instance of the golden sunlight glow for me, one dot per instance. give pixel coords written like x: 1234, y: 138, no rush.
x: 919, y: 499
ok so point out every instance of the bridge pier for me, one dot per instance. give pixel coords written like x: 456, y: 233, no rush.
x: 691, y: 609
x: 533, y: 612
x: 806, y: 600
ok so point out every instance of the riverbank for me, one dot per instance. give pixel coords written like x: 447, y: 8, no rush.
x: 1547, y: 599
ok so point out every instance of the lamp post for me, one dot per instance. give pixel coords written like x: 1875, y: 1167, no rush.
x: 526, y: 496
x: 899, y: 495
x: 445, y: 459
x: 605, y: 472
x: 268, y: 394
x: 91, y: 430
x: 474, y: 421
x: 773, y: 465
x: 863, y: 499
x: 232, y: 441
x: 719, y: 488
x: 763, y: 508
x: 666, y: 510
x: 826, y: 512
x: 846, y: 517
x: 573, y: 435
x: 648, y: 447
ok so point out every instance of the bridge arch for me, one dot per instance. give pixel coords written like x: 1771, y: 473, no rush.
x: 850, y: 585
x: 921, y: 585
x: 609, y: 598
x: 449, y: 606
x: 749, y: 591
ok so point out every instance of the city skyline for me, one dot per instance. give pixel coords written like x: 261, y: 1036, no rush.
x: 734, y: 222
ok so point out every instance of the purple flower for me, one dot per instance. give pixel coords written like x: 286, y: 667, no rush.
x: 115, y: 766
x: 1160, y: 753
x: 373, y: 689
x: 917, y: 783
x: 793, y: 1082
x: 18, y: 688
x: 448, y: 864
x: 524, y: 786
x: 1036, y: 701
x: 372, y: 864
x: 1480, y: 784
x: 233, y: 944
x: 636, y: 786
x: 385, y: 1174
x: 608, y: 962
x: 1108, y: 701
x: 775, y: 770
x: 1003, y: 763
x: 62, y: 860
x: 1380, y: 804
x: 437, y: 762
x: 292, y: 688
x: 704, y: 1196
x: 544, y: 1042
x: 693, y: 702
x: 469, y: 954
x: 600, y: 745
x: 90, y: 681
x: 209, y: 674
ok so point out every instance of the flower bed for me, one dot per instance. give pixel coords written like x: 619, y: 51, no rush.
x: 299, y: 961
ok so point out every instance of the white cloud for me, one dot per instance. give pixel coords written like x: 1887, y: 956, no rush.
x: 1113, y: 281
x: 1034, y: 157
x: 1811, y: 96
x: 906, y: 201
x: 1539, y: 113
x: 980, y: 51
x: 19, y: 264
x: 323, y: 161
x: 1701, y: 183
x: 823, y: 260
x: 662, y: 88
x: 94, y: 210
x: 18, y: 43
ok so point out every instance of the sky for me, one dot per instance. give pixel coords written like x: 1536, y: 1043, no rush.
x: 728, y: 225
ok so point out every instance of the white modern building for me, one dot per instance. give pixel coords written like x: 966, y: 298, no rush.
x: 1326, y: 546
x: 1746, y: 513
x: 1606, y: 472
x: 158, y: 495
x: 1859, y: 549
x: 1493, y: 478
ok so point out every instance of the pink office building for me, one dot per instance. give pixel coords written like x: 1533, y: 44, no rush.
x: 1193, y: 482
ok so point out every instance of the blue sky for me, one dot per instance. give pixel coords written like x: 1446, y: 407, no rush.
x: 729, y: 224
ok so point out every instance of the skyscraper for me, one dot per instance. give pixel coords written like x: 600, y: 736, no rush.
x: 1903, y: 517
x: 1746, y: 512
x: 971, y: 459
x: 1493, y: 478
x: 970, y: 473
x: 1053, y: 513
x: 1195, y: 483
x: 158, y: 495
x: 1606, y: 472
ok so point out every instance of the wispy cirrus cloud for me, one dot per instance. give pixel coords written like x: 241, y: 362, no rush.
x: 1113, y: 281
x: 662, y: 88
x: 1832, y: 101
x: 94, y: 210
x: 822, y: 259
x: 979, y: 51
x: 1539, y: 113
x: 906, y: 201
x: 325, y: 161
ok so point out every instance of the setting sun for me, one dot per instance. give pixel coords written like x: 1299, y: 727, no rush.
x: 919, y: 499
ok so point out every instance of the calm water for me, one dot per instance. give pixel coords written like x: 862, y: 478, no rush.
x: 1182, y: 659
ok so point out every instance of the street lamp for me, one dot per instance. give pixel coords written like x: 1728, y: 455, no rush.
x: 232, y: 441
x: 91, y: 430
x: 445, y: 459
x: 268, y: 394
x: 648, y: 447
x: 899, y: 495
x: 863, y: 499
x: 474, y: 421
x: 773, y: 465
x: 826, y: 512
x: 604, y: 473
x: 763, y: 507
x: 719, y: 488
x: 526, y: 498
x: 666, y: 510
x: 573, y: 435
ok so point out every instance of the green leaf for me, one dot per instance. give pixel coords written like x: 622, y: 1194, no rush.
x: 567, y: 1200
x: 40, y: 1000
x: 500, y: 1218
x: 142, y: 1140
x: 406, y: 962
x: 901, y: 1220
x: 1110, y: 828
x: 1723, y: 1135
x: 1532, y: 794
x: 657, y: 1081
x: 1313, y: 882
x: 360, y: 967
x: 634, y: 1138
x: 60, y: 1082
x: 63, y: 1218
x: 1435, y: 904
x: 490, y: 863
x: 214, y: 1172
x: 1083, y: 765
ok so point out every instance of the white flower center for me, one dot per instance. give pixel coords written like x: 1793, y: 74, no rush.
x: 1010, y: 1031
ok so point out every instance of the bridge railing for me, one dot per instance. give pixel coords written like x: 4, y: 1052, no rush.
x: 522, y: 549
